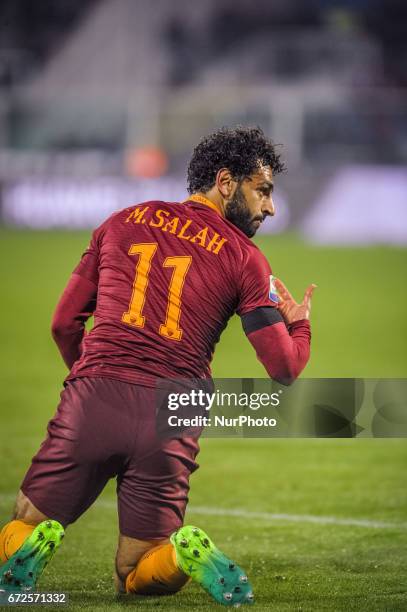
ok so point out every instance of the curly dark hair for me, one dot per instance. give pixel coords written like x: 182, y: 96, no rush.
x: 241, y: 150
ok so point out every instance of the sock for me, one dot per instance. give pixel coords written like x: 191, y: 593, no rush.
x: 157, y: 573
x: 12, y: 537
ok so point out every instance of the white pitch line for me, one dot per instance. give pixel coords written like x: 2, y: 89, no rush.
x: 296, y: 518
x: 269, y: 517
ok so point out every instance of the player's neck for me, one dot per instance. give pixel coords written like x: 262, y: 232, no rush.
x: 212, y: 200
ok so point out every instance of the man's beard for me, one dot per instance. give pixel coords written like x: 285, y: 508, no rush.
x: 237, y: 212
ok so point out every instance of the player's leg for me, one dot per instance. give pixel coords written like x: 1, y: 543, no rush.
x: 27, y: 544
x: 147, y: 567
x: 153, y: 494
x: 24, y: 520
x: 163, y: 568
x: 152, y: 497
x: 68, y: 473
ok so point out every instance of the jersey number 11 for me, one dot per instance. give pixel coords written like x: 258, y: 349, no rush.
x: 133, y: 316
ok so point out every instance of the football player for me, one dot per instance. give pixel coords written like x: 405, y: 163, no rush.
x: 162, y: 280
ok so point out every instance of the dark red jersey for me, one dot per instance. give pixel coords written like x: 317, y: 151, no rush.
x: 167, y: 277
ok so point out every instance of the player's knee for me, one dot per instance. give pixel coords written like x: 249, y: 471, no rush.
x: 24, y: 510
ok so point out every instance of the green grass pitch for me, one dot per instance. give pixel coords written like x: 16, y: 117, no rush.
x: 268, y: 493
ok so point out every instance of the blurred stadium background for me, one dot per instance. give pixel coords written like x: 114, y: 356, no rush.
x: 101, y: 103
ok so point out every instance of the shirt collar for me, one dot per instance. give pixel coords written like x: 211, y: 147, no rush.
x: 203, y: 200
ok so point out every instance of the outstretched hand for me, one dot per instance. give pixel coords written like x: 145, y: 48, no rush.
x: 290, y: 310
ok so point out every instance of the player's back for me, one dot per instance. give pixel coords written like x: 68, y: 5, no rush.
x: 169, y: 277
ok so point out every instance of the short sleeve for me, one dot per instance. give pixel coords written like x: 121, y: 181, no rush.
x: 254, y: 286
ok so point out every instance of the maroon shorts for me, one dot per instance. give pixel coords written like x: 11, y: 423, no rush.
x: 105, y: 428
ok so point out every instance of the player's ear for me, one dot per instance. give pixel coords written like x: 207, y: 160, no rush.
x: 225, y: 183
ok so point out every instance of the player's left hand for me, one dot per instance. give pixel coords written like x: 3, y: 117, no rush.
x: 290, y: 310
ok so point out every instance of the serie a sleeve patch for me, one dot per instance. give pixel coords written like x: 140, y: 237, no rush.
x: 259, y: 318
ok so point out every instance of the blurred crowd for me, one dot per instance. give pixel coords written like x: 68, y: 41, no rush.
x: 125, y: 88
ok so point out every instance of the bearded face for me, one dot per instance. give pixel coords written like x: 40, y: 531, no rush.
x: 238, y: 213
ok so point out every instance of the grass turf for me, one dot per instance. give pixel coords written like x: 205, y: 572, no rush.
x: 359, y: 329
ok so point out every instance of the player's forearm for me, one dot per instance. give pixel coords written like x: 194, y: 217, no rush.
x: 69, y: 345
x: 73, y: 310
x: 283, y: 353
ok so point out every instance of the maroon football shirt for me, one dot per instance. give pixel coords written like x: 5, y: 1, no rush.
x: 168, y: 277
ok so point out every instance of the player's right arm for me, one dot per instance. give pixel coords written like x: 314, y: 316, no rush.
x: 279, y: 331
